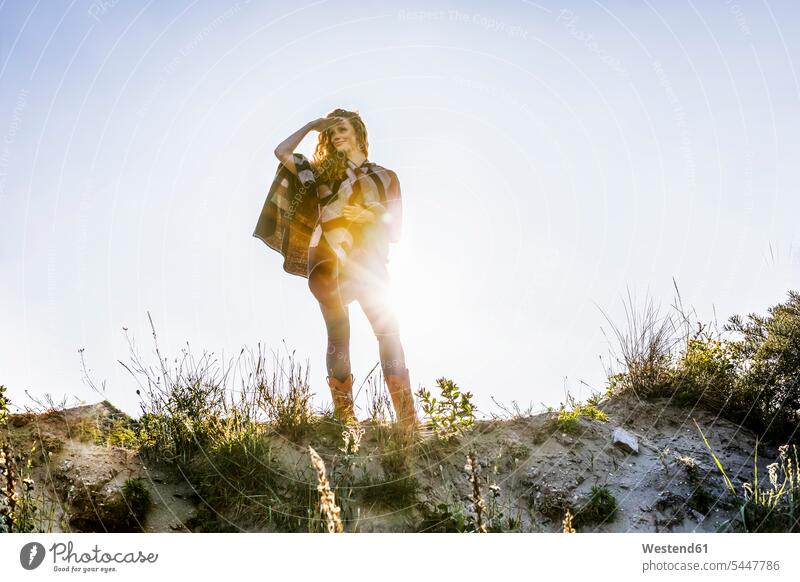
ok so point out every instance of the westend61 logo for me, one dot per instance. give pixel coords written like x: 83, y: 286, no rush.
x: 65, y: 559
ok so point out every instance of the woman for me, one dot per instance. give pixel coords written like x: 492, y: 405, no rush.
x: 332, y: 219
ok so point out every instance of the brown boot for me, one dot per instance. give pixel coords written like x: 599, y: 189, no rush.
x: 402, y: 398
x: 342, y: 394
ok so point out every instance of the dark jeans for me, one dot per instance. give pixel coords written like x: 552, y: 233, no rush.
x: 334, y: 288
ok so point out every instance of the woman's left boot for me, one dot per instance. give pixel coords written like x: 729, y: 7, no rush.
x: 403, y: 400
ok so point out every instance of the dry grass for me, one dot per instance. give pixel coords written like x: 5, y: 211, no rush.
x: 327, y: 499
x: 567, y: 523
x: 644, y: 347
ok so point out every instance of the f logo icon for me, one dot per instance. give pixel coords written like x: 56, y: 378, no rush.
x: 31, y: 555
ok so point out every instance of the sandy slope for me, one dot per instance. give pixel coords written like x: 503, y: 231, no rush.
x: 539, y: 470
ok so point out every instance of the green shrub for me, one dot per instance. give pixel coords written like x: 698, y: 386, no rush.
x: 122, y: 434
x: 450, y: 415
x: 752, y: 378
x: 770, y: 377
x: 706, y: 373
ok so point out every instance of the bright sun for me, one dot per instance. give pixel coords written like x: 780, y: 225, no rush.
x: 419, y: 302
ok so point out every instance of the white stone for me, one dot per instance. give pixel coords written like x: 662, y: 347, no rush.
x: 625, y: 440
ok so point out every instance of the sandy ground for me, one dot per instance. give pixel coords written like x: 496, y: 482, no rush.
x: 538, y: 469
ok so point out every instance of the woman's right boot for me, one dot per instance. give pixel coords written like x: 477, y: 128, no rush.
x: 342, y: 394
x: 403, y: 400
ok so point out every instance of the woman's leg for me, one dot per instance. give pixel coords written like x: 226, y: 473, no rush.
x: 323, y: 284
x: 393, y: 361
x: 337, y: 322
x: 384, y: 323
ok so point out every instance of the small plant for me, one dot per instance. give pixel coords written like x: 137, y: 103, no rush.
x: 496, y: 509
x: 568, y: 420
x: 351, y: 438
x: 444, y: 518
x: 343, y: 470
x: 595, y: 399
x: 452, y: 413
x: 473, y: 470
x: 514, y: 412
x: 137, y: 498
x: 600, y: 507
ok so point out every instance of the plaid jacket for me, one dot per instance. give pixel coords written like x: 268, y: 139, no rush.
x: 300, y: 213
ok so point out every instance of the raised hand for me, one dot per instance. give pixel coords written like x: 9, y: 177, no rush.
x: 324, y: 123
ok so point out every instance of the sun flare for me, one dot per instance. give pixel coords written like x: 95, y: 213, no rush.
x: 414, y: 293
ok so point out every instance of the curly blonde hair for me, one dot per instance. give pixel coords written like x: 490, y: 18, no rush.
x: 330, y: 164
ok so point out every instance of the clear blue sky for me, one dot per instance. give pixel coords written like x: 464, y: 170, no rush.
x: 551, y: 155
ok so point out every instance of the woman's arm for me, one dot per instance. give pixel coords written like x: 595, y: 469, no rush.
x: 359, y: 214
x: 389, y: 213
x: 285, y: 150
